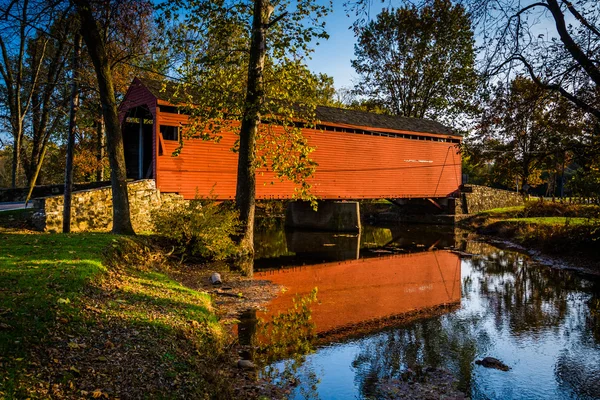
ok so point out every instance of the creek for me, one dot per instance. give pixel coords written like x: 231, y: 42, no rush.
x: 396, y: 301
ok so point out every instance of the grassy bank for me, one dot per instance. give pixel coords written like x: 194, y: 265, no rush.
x: 95, y: 316
x: 558, y: 229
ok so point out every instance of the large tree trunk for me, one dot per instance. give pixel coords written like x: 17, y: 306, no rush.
x: 100, y: 149
x: 246, y: 180
x: 98, y: 54
x: 16, y: 161
x: 71, y: 137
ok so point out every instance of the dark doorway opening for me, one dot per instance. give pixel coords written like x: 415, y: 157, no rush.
x: 137, y: 141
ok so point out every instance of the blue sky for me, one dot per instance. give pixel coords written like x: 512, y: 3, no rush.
x: 333, y: 56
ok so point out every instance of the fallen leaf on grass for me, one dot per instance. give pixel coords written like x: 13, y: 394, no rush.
x: 5, y: 326
x: 63, y: 301
x: 195, y: 324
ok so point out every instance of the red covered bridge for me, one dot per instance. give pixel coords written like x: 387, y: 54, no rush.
x: 360, y: 155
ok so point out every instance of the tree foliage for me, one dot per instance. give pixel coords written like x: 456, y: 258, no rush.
x: 209, y: 48
x: 98, y: 20
x: 554, y: 42
x: 31, y: 66
x: 525, y: 130
x: 243, y: 61
x: 198, y: 228
x: 417, y: 62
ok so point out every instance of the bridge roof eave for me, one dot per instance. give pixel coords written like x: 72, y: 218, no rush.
x: 388, y: 130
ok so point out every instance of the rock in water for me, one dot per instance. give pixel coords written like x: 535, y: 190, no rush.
x: 491, y: 362
x: 215, y: 278
x: 245, y: 364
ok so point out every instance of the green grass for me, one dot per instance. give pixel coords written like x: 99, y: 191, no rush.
x: 48, y: 285
x: 553, y: 220
x: 503, y: 210
x: 41, y: 277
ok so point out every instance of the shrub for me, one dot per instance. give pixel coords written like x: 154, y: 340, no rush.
x: 199, y: 228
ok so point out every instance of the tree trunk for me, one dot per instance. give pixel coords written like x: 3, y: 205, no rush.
x: 16, y: 161
x: 36, y: 173
x: 246, y: 180
x: 100, y: 149
x: 98, y: 54
x: 71, y: 139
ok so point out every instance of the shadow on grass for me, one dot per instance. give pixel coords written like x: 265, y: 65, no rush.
x: 73, y: 328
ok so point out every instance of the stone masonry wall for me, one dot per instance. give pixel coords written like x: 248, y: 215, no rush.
x: 484, y: 198
x: 91, y: 210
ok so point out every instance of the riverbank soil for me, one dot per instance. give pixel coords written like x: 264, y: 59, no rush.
x: 566, y: 232
x: 99, y: 316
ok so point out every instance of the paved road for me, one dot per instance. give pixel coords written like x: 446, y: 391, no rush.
x: 14, y: 205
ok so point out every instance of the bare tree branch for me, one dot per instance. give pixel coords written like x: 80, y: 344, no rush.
x: 581, y: 18
x: 558, y: 88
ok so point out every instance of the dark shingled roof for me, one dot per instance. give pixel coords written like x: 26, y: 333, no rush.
x: 163, y: 90
x: 167, y: 91
x: 363, y: 118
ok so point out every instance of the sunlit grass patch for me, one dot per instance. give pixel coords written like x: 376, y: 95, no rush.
x: 503, y: 210
x: 153, y: 298
x: 554, y: 220
x: 41, y: 277
x: 74, y: 304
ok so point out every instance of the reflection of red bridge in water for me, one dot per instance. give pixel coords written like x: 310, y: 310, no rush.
x: 367, y: 289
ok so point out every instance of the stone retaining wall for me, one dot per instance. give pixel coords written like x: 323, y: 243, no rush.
x: 482, y: 198
x: 91, y: 210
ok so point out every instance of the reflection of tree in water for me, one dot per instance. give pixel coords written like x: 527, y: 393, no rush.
x: 579, y: 372
x: 578, y: 366
x: 527, y: 297
x: 287, y: 336
x: 372, y: 236
x: 438, y: 343
x: 593, y: 320
x: 519, y: 298
x: 269, y: 238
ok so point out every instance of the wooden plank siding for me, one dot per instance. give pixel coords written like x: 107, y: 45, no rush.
x: 350, y: 165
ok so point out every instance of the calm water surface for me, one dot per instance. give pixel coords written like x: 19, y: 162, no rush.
x: 434, y: 308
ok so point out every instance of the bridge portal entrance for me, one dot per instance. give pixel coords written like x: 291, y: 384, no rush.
x: 138, y: 141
